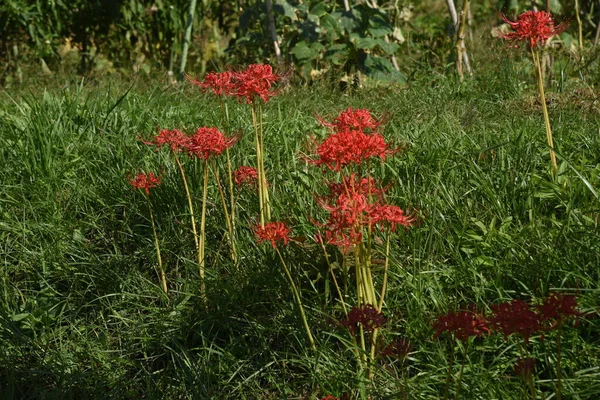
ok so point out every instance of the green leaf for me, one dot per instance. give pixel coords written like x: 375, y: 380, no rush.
x: 378, y: 26
x: 286, y: 9
x: 337, y: 54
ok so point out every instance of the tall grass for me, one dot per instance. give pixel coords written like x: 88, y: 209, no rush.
x: 81, y: 311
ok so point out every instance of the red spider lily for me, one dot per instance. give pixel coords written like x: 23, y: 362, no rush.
x: 329, y: 397
x: 399, y: 348
x: 221, y: 83
x: 354, y: 184
x: 256, y: 80
x: 350, y: 146
x: 352, y: 119
x: 557, y: 308
x: 174, y: 138
x: 462, y: 324
x: 209, y: 141
x: 394, y: 215
x: 515, y: 317
x: 525, y: 366
x: 535, y: 26
x: 272, y: 232
x: 145, y: 181
x: 367, y: 316
x: 245, y: 176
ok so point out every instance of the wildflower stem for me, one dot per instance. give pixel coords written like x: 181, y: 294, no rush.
x: 385, y: 270
x: 161, y: 271
x: 450, y: 365
x: 225, y: 122
x: 189, y: 200
x: 462, y: 369
x: 536, y: 59
x: 558, y: 361
x: 227, y: 216
x: 335, y: 282
x: 262, y: 165
x: 202, y: 237
x: 298, y: 300
x: 259, y: 170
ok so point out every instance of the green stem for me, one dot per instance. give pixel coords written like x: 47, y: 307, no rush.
x: 258, y: 168
x: 536, y: 60
x: 202, y: 238
x: 262, y: 165
x: 558, y: 362
x: 298, y: 300
x: 462, y: 369
x: 450, y: 365
x: 161, y: 271
x: 190, y: 205
x: 227, y: 217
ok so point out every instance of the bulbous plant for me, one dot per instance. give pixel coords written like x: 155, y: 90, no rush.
x: 357, y: 212
x: 147, y: 182
x: 460, y: 326
x: 254, y: 86
x: 536, y: 28
x: 274, y: 232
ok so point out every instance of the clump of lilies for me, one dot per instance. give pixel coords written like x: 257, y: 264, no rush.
x: 515, y: 318
x: 357, y: 214
x: 536, y: 28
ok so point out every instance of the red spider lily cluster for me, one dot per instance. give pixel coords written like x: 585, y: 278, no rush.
x: 399, y: 348
x: 462, y: 324
x: 255, y: 81
x: 245, y: 175
x: 350, y: 143
x: 535, y: 26
x: 206, y: 142
x: 366, y: 316
x: 272, y: 232
x: 352, y: 119
x: 209, y: 142
x: 514, y: 317
x: 174, y: 139
x: 525, y: 366
x: 354, y: 204
x: 145, y: 181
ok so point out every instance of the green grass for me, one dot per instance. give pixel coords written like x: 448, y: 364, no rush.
x: 82, y: 314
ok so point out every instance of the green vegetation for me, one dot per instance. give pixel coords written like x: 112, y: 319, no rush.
x: 82, y: 311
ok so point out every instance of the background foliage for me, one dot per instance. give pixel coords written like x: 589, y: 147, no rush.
x: 318, y: 37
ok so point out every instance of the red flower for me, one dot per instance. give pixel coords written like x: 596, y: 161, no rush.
x: 245, y: 176
x: 209, y: 141
x: 515, y: 317
x: 272, y: 232
x: 145, y: 181
x: 256, y: 80
x: 329, y: 397
x: 525, y: 366
x: 463, y: 324
x: 558, y: 307
x: 221, y: 83
x: 350, y: 146
x: 367, y: 316
x: 352, y: 119
x: 399, y: 348
x: 175, y: 139
x: 535, y: 26
x: 354, y: 184
x: 393, y: 215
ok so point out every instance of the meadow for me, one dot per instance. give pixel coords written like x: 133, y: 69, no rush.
x: 82, y: 311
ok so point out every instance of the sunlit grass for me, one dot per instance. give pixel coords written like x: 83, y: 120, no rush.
x: 81, y: 309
